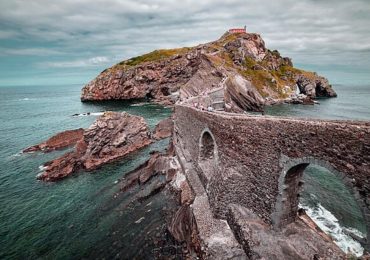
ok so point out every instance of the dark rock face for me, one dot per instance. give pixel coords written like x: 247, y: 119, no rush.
x: 163, y: 129
x: 315, y: 87
x: 275, y: 61
x: 206, y: 78
x: 246, y: 45
x: 240, y: 95
x: 112, y: 136
x: 156, y: 80
x: 158, y: 164
x: 183, y: 228
x: 58, y: 141
x: 295, y: 241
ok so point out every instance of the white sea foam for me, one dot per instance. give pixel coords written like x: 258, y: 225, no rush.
x: 26, y: 99
x: 97, y: 114
x: 90, y: 114
x: 138, y: 104
x: 39, y: 174
x: 139, y: 220
x: 330, y: 225
x: 42, y: 168
x: 17, y: 154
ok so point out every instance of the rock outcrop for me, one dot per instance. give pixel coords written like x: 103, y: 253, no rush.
x: 295, y: 241
x: 113, y: 136
x: 163, y: 129
x: 167, y: 76
x: 241, y: 95
x: 315, y: 86
x: 159, y: 76
x: 164, y: 164
x: 57, y: 142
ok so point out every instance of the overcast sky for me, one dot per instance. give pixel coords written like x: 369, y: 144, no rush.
x: 71, y: 41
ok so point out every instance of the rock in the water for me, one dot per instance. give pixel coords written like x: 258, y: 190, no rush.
x: 240, y: 95
x: 112, y: 136
x: 315, y: 86
x: 158, y: 164
x: 163, y: 129
x: 58, y: 141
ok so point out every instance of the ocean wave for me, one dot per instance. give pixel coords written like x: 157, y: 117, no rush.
x: 17, y: 154
x: 138, y: 104
x: 42, y: 168
x: 330, y: 225
x: 26, y: 99
x: 90, y: 114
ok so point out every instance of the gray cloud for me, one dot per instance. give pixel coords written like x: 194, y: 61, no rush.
x: 29, y: 51
x: 95, y: 61
x: 332, y: 32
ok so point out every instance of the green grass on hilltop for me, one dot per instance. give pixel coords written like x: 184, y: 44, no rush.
x: 262, y: 78
x: 151, y: 56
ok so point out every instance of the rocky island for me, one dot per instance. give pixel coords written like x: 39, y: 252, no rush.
x: 256, y: 75
x: 237, y: 175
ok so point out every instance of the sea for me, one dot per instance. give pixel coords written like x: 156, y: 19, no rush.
x: 85, y: 217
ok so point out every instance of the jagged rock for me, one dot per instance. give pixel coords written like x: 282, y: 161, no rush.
x: 158, y: 164
x: 315, y: 86
x: 295, y: 241
x: 246, y: 45
x: 183, y: 224
x: 240, y: 95
x: 206, y: 78
x: 58, y: 141
x: 274, y: 61
x: 112, y: 136
x: 156, y: 80
x: 163, y: 129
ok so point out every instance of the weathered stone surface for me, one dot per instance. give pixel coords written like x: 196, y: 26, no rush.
x: 315, y: 86
x: 58, y: 141
x: 112, y: 136
x: 157, y: 80
x: 214, y: 236
x: 246, y: 45
x: 240, y: 95
x: 295, y: 241
x: 163, y: 129
x: 158, y: 164
x: 183, y: 225
x: 254, y: 152
x: 275, y: 61
x: 205, y: 79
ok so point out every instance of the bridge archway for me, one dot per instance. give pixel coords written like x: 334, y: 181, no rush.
x: 208, y: 156
x: 291, y: 184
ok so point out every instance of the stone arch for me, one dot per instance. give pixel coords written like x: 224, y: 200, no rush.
x: 208, y: 156
x: 290, y: 184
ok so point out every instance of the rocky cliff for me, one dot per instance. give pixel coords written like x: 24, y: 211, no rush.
x: 170, y: 75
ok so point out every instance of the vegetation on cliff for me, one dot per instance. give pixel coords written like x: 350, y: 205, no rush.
x: 150, y: 57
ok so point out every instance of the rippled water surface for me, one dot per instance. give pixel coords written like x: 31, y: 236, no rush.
x: 326, y: 199
x: 80, y: 217
x: 352, y: 103
x: 69, y: 219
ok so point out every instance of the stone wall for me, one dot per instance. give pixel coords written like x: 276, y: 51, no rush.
x: 256, y: 153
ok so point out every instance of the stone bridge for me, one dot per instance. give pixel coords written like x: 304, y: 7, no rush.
x: 258, y: 161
